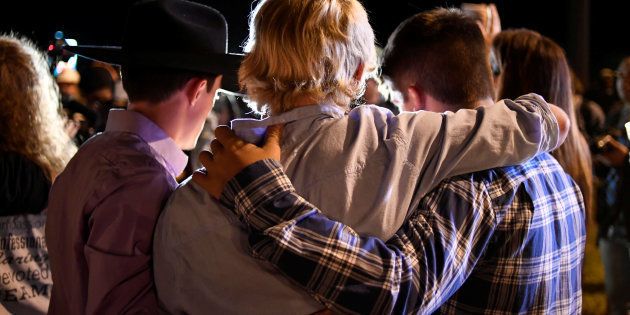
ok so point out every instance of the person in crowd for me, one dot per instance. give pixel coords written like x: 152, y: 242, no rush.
x: 227, y: 106
x: 603, y: 91
x: 501, y: 241
x: 365, y: 159
x: 68, y: 82
x: 613, y: 215
x: 102, y: 209
x: 378, y: 90
x: 120, y: 99
x: 378, y: 93
x: 591, y: 119
x: 620, y: 114
x: 34, y: 149
x: 97, y: 93
x: 534, y: 63
x: 487, y: 17
x: 84, y: 119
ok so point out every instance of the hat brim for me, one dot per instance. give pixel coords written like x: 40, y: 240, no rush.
x: 223, y: 64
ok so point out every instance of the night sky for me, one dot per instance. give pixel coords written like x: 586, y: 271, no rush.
x: 102, y: 22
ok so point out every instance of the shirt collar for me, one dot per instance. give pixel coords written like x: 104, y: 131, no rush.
x: 253, y: 130
x: 171, y: 156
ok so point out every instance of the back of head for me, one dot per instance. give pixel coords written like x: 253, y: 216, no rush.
x: 533, y: 63
x: 30, y: 121
x: 155, y: 84
x: 444, y: 52
x: 306, y: 50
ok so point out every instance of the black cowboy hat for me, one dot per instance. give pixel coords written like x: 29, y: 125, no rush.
x: 173, y: 34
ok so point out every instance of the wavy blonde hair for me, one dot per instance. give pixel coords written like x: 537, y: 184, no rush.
x: 30, y: 119
x: 307, y: 49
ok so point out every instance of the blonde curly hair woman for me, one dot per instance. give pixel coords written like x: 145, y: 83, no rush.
x: 31, y: 123
x: 34, y: 148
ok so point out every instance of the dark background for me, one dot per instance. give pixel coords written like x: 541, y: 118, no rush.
x: 594, y: 33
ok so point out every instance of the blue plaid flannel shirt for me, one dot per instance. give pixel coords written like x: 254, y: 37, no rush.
x: 503, y: 241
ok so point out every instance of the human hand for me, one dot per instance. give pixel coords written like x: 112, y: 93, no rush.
x: 230, y: 155
x: 613, y: 153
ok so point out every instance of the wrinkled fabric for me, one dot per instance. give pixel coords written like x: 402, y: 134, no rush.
x: 366, y: 168
x: 101, y: 215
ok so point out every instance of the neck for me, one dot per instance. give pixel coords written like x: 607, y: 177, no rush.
x: 306, y: 101
x: 483, y: 102
x: 165, y: 115
x: 437, y: 106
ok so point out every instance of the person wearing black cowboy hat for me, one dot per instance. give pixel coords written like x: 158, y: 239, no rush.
x: 103, y: 207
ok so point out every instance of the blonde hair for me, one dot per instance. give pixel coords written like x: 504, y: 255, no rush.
x: 307, y: 49
x: 30, y: 121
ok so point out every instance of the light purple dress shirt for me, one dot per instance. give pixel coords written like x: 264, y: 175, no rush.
x: 101, y: 214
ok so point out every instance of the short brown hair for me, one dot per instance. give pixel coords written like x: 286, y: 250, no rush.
x: 157, y: 84
x: 444, y: 52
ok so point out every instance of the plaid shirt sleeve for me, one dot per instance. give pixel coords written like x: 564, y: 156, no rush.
x: 417, y: 270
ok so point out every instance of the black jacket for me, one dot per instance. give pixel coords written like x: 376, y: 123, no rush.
x: 24, y: 186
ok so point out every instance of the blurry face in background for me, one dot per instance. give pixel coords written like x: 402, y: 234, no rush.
x: 104, y: 95
x: 70, y: 90
x: 372, y: 94
x: 623, y: 81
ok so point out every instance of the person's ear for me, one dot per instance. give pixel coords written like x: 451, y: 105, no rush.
x: 414, y: 99
x: 358, y: 74
x: 198, y: 87
x: 194, y: 89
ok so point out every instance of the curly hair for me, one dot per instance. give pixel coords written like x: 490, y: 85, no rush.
x: 307, y: 49
x: 30, y: 120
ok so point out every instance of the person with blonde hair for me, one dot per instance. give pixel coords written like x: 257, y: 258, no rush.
x: 307, y: 61
x: 34, y: 149
x: 500, y: 241
x: 31, y: 111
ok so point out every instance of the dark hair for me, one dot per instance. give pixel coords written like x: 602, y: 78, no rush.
x: 157, y: 84
x: 94, y: 79
x: 533, y: 63
x: 444, y: 52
